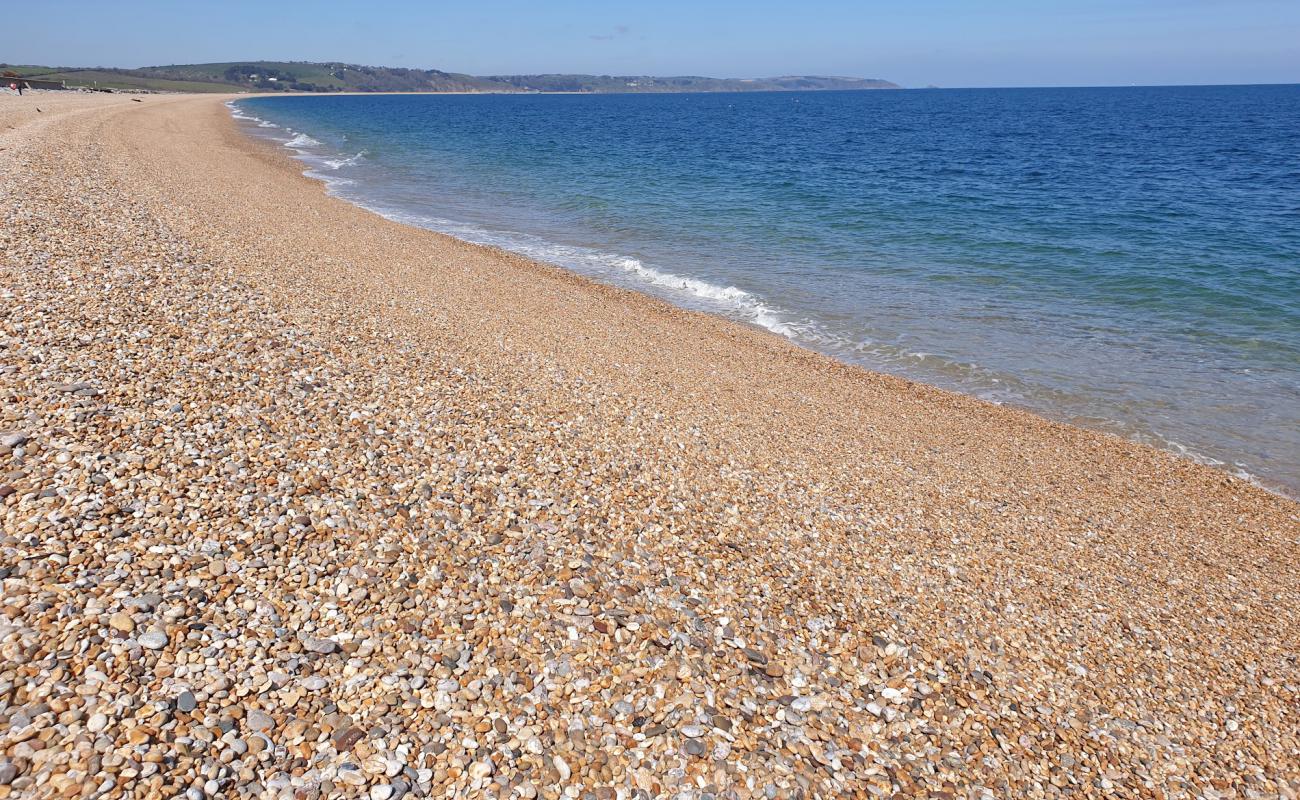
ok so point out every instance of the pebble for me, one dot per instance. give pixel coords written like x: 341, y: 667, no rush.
x: 322, y: 646
x: 146, y: 602
x: 12, y: 439
x: 352, y: 776
x: 185, y: 702
x: 258, y: 720
x: 153, y: 640
x: 344, y: 740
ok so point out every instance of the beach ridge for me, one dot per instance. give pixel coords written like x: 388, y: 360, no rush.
x: 401, y: 513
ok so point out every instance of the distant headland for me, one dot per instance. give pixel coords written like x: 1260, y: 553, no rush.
x: 333, y: 76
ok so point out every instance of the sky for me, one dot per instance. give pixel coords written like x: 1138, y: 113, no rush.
x: 912, y: 42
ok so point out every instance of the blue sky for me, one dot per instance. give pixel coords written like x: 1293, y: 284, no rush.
x: 942, y: 42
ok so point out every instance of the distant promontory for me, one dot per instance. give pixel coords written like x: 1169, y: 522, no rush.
x: 329, y: 76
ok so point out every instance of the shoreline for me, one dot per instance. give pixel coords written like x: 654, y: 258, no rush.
x: 1128, y: 430
x: 434, y: 492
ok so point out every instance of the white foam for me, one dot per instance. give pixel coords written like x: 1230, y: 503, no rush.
x: 339, y: 163
x: 331, y: 181
x: 238, y: 113
x: 1236, y: 469
x: 301, y: 140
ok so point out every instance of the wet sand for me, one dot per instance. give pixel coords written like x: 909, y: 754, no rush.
x: 362, y: 508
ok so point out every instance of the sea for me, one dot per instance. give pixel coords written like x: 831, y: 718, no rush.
x: 1124, y: 259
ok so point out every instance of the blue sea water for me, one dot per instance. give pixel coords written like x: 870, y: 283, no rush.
x: 1126, y: 259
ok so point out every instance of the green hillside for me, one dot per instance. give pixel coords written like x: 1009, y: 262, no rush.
x: 271, y: 76
x: 118, y: 79
x: 304, y: 76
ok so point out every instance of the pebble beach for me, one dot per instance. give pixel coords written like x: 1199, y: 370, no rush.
x: 298, y: 502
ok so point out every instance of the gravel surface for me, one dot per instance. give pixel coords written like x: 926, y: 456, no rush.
x: 300, y: 503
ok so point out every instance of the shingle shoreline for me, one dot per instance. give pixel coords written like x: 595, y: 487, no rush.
x: 302, y: 502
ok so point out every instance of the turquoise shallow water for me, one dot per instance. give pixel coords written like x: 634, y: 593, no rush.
x: 1125, y: 259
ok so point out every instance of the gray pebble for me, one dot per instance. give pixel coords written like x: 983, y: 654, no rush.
x: 154, y: 640
x: 145, y: 602
x: 322, y: 646
x: 258, y: 720
x: 315, y: 683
